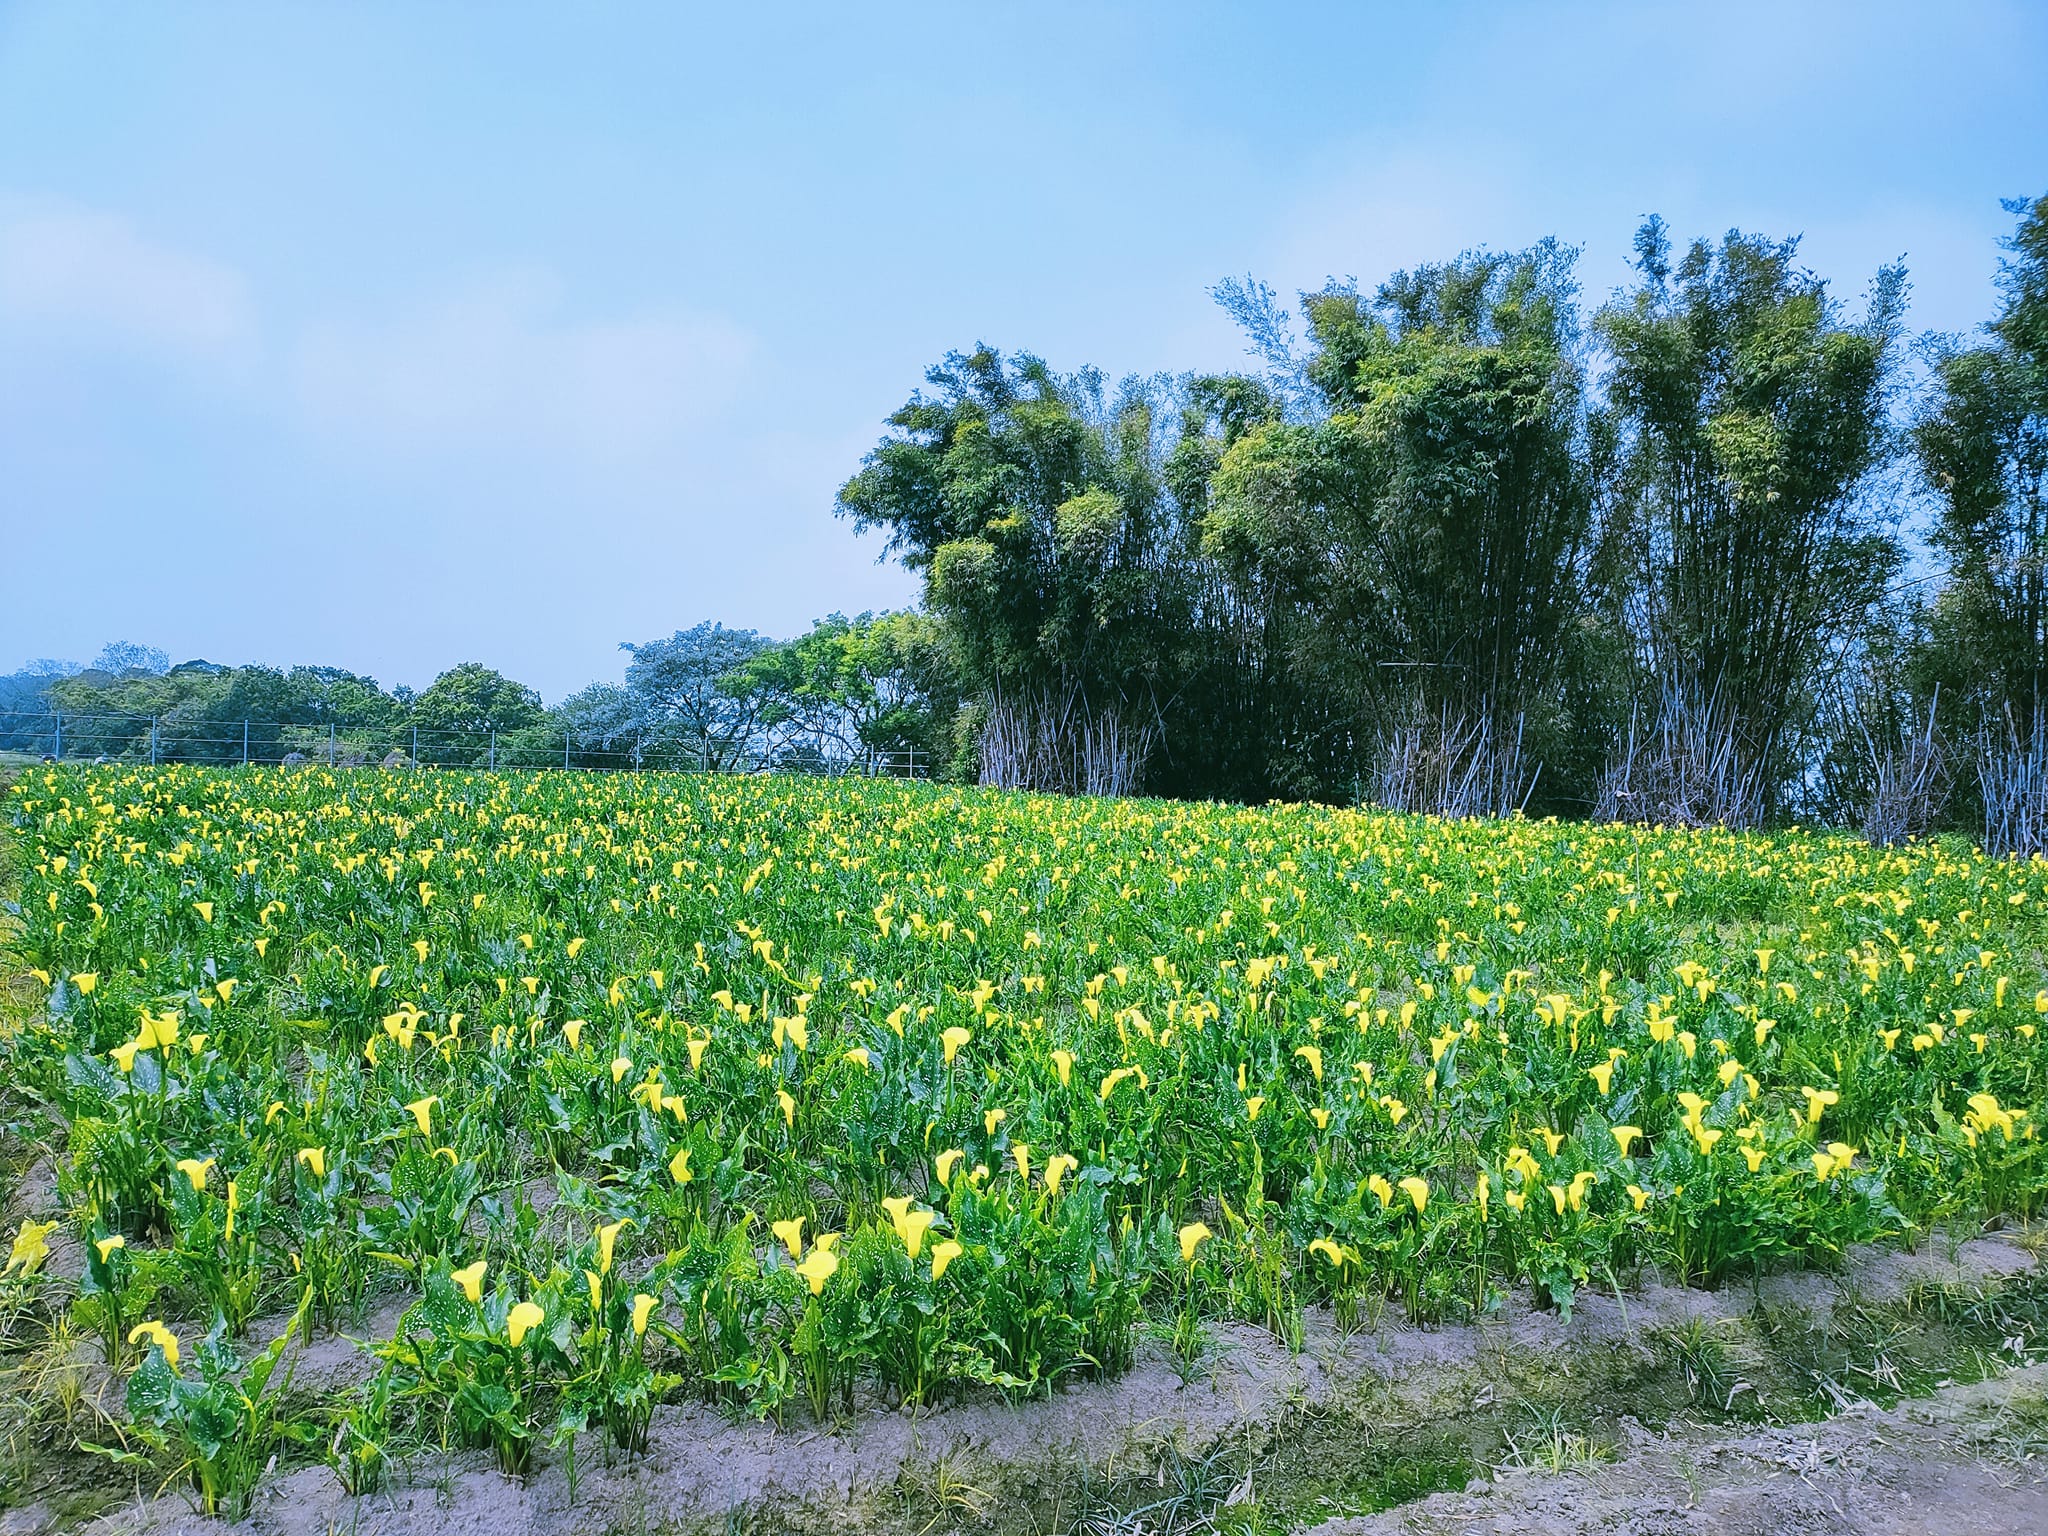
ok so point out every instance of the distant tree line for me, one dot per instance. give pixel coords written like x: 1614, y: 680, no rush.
x: 869, y: 692
x: 1720, y: 551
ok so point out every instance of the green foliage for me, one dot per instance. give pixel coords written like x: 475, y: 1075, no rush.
x: 1748, y: 537
x: 778, y: 1092
x: 222, y: 1423
x: 1420, y: 547
x: 1982, y: 443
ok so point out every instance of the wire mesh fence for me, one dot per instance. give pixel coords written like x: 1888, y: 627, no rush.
x: 62, y: 736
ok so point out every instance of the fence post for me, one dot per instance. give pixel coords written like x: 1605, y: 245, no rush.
x: 565, y: 749
x: 59, y: 753
x: 245, y: 743
x: 415, y: 746
x: 152, y: 741
x: 494, y: 751
x: 330, y: 744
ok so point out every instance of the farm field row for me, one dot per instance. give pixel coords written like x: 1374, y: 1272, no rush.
x: 789, y: 1095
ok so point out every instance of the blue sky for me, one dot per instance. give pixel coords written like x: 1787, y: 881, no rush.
x: 391, y: 336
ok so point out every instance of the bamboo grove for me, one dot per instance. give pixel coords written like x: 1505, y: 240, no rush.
x: 1722, y: 551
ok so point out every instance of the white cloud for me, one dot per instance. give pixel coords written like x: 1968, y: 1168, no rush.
x: 497, y: 365
x: 72, y: 276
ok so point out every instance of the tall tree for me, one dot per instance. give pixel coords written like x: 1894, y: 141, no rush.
x: 475, y: 699
x: 874, y: 689
x: 1420, y: 547
x: 1982, y: 443
x: 686, y: 693
x: 1748, y: 536
x: 1036, y: 516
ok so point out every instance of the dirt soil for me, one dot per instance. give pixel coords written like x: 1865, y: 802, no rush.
x: 1265, y: 1441
x: 1965, y: 1461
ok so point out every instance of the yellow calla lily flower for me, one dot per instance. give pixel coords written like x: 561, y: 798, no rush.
x: 158, y: 1335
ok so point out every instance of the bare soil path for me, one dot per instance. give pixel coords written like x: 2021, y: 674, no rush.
x: 1965, y: 1461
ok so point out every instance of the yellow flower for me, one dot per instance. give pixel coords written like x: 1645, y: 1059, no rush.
x: 952, y: 1039
x: 1417, y: 1190
x: 1639, y: 1195
x: 226, y: 988
x: 205, y: 911
x: 158, y: 1335
x: 1022, y: 1153
x: 31, y: 1247
x: 1333, y: 1254
x: 1835, y: 1159
x: 422, y: 1111
x: 944, y: 1162
x: 859, y: 1057
x: 315, y: 1159
x: 944, y: 1254
x: 574, y: 1030
x: 1625, y: 1136
x: 1192, y: 1236
x: 606, y: 1237
x: 792, y: 1234
x: 1818, y: 1099
x: 109, y: 1246
x: 1253, y: 1105
x: 470, y: 1278
x: 821, y: 1266
x: 1603, y: 1075
x: 1057, y: 1167
x: 621, y: 1065
x: 196, y: 1169
x: 1380, y: 1186
x: 1313, y: 1055
x: 85, y: 981
x: 1576, y: 1195
x: 1063, y: 1063
x: 160, y: 1030
x: 521, y: 1321
x: 788, y: 1107
x: 679, y: 1166
x: 124, y: 1055
x: 910, y: 1225
x: 643, y: 1308
x: 596, y: 1283
x: 992, y: 1118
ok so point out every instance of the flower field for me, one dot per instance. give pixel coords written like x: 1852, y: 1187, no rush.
x: 794, y: 1095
